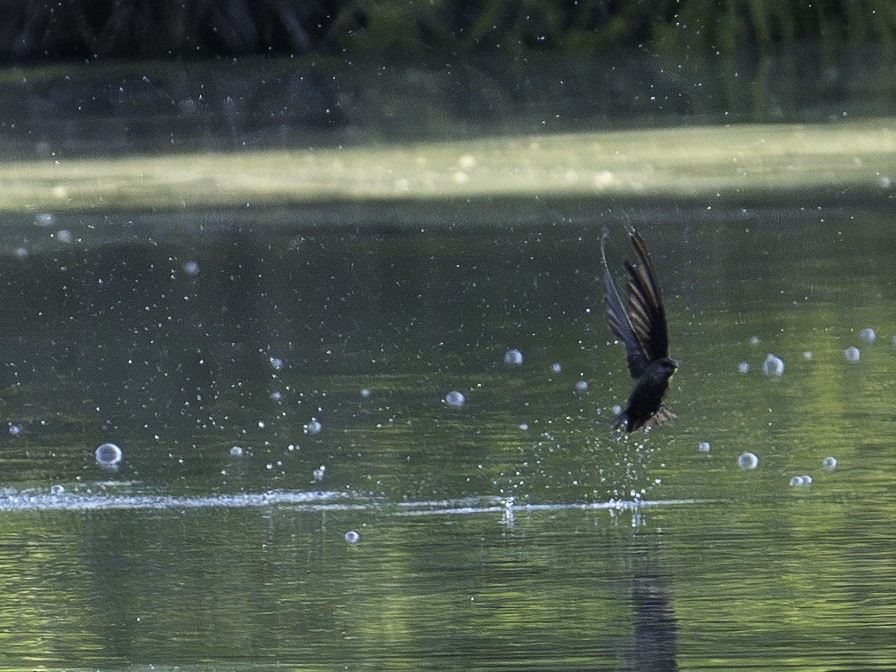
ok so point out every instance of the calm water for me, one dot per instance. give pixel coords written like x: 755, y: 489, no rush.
x: 499, y: 534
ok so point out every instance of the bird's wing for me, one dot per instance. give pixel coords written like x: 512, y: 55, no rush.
x: 620, y: 324
x: 645, y: 305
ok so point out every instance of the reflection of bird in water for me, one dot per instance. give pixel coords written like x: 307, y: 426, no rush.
x: 642, y: 329
x: 653, y: 646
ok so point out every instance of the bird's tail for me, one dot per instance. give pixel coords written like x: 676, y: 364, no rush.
x: 662, y: 416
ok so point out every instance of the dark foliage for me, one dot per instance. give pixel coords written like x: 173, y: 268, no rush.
x: 42, y: 29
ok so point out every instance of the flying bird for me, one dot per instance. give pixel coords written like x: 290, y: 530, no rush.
x: 642, y: 329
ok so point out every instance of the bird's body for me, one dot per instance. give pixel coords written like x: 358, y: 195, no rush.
x: 642, y: 329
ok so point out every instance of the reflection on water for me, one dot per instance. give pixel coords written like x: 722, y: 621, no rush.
x: 272, y: 385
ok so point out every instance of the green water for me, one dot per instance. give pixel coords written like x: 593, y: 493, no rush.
x: 499, y: 534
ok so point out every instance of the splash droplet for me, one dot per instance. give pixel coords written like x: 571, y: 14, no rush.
x: 455, y: 398
x: 108, y: 455
x: 747, y: 460
x: 773, y: 366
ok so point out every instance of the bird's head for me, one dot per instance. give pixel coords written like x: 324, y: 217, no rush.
x: 670, y: 365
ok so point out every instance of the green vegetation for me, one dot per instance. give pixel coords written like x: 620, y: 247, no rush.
x: 407, y: 29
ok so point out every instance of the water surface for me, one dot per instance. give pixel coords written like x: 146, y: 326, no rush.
x: 514, y: 531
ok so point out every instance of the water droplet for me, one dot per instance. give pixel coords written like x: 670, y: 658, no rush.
x: 829, y: 462
x: 352, y: 537
x: 747, y: 461
x: 15, y: 429
x: 276, y: 363
x: 773, y: 366
x: 64, y: 236
x: 236, y: 451
x: 108, y: 455
x: 365, y: 392
x: 318, y: 473
x: 556, y: 368
x: 313, y: 427
x: 455, y: 398
x: 704, y: 446
x: 45, y: 219
x: 807, y: 355
x: 582, y: 385
x: 513, y: 357
x: 743, y: 367
x: 867, y: 335
x: 852, y: 354
x: 799, y: 481
x: 57, y: 490
x: 191, y: 268
x: 754, y: 340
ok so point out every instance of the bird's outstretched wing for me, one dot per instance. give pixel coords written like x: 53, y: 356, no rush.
x: 645, y: 305
x: 622, y: 327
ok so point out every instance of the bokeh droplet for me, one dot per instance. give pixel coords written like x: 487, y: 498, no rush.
x: 108, y: 455
x: 773, y: 366
x: 747, y: 460
x: 455, y: 398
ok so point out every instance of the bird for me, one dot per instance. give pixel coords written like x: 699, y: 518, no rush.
x: 643, y: 331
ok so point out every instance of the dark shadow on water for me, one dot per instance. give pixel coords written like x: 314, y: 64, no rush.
x: 654, y: 641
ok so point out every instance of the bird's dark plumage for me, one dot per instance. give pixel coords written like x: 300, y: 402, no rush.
x: 642, y: 329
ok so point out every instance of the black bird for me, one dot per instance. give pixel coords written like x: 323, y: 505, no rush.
x: 642, y: 329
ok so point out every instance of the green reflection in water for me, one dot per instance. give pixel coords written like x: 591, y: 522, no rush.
x: 120, y: 341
